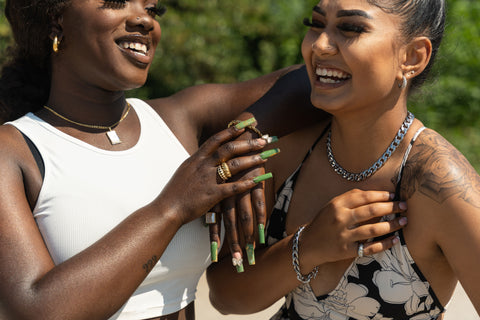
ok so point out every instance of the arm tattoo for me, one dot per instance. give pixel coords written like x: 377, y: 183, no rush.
x: 439, y: 171
x: 150, y: 264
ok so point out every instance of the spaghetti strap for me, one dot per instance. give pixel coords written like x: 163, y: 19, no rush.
x: 404, y: 161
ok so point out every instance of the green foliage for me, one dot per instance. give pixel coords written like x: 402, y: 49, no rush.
x: 451, y: 103
x: 225, y: 41
x: 5, y: 34
x: 229, y: 41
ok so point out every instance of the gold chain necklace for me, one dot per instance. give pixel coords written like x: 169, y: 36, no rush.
x: 111, y: 134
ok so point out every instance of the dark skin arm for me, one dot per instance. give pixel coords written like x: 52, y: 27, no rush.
x: 322, y: 241
x: 112, y: 268
x: 280, y: 102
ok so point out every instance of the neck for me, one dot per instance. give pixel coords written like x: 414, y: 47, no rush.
x: 359, y: 141
x: 93, y: 107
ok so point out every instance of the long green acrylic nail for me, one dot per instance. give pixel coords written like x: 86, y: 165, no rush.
x: 263, y: 177
x: 245, y: 123
x: 250, y: 248
x: 238, y: 263
x: 269, y: 153
x: 214, y: 251
x: 240, y: 268
x: 272, y: 139
x: 261, y: 233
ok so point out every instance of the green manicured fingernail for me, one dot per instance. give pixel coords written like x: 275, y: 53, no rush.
x: 214, y: 251
x: 261, y: 233
x: 237, y: 262
x: 250, y: 248
x: 245, y: 123
x: 263, y: 177
x: 240, y: 268
x: 272, y: 139
x: 269, y: 153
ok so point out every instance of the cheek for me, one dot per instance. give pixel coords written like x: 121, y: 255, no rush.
x: 307, y: 43
x: 307, y: 52
x: 376, y: 63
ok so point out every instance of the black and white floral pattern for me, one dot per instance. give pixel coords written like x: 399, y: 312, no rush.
x: 384, y: 286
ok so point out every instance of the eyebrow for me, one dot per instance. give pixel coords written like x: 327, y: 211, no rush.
x: 350, y: 13
x: 344, y: 13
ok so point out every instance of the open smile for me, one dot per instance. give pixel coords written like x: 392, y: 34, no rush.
x: 331, y: 76
x: 136, y: 48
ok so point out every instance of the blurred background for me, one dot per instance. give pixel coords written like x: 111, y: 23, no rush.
x: 228, y: 41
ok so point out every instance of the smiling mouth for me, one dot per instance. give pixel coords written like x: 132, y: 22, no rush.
x: 331, y: 76
x: 136, y: 47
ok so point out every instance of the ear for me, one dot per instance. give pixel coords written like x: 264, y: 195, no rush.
x: 416, y: 57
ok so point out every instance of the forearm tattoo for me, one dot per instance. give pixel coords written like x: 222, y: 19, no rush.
x: 438, y: 170
x: 150, y: 264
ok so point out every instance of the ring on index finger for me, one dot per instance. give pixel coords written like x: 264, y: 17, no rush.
x: 360, y: 250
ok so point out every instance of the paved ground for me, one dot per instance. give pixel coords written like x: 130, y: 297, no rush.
x: 459, y: 308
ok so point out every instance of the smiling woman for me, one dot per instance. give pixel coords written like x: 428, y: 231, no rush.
x: 102, y: 197
x: 363, y: 59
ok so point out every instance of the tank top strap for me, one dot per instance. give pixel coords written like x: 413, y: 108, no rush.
x: 404, y: 161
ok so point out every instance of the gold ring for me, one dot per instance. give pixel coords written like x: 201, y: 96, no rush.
x: 226, y: 169
x: 221, y: 174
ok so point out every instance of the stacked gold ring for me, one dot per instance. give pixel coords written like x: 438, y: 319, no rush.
x: 224, y: 171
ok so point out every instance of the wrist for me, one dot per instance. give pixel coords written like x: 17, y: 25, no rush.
x: 301, y: 273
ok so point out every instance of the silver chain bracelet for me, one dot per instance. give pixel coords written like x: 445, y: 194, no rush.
x: 296, y: 263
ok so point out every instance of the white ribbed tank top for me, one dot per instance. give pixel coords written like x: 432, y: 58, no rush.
x: 87, y: 191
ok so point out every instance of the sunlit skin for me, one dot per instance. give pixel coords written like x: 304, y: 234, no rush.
x: 93, y: 66
x: 100, y: 27
x: 362, y: 47
x: 344, y: 37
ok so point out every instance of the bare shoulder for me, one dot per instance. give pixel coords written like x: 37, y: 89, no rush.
x: 12, y: 145
x: 436, y: 169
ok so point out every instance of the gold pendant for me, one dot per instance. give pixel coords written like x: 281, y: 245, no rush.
x: 113, y: 137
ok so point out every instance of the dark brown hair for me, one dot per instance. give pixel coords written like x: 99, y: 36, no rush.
x: 25, y: 78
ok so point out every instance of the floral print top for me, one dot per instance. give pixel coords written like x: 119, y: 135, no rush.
x: 383, y: 286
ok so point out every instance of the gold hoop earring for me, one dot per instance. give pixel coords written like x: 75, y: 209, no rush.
x: 403, y: 85
x: 56, y: 43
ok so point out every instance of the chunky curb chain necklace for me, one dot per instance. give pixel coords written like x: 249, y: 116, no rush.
x: 111, y: 134
x: 379, y: 163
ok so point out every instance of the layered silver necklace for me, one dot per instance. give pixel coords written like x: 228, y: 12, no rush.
x: 379, y: 163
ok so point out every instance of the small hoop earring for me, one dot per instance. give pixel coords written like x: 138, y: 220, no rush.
x: 403, y: 85
x: 56, y: 43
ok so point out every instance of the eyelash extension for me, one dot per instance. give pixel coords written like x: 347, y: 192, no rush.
x: 308, y: 23
x: 351, y: 28
x: 114, y: 4
x: 158, y: 10
x: 346, y: 27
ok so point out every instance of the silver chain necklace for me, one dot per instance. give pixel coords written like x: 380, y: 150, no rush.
x: 379, y: 163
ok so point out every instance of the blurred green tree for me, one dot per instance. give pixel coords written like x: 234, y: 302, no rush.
x: 228, y: 41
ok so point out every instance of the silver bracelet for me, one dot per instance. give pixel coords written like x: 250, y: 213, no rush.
x: 296, y: 263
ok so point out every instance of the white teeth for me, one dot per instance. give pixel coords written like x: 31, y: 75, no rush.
x: 139, y: 47
x: 322, y: 72
x: 328, y: 80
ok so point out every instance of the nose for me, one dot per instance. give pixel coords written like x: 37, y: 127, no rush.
x: 324, y: 45
x: 141, y: 19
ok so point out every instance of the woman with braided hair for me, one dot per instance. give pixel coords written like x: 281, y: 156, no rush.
x: 363, y: 60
